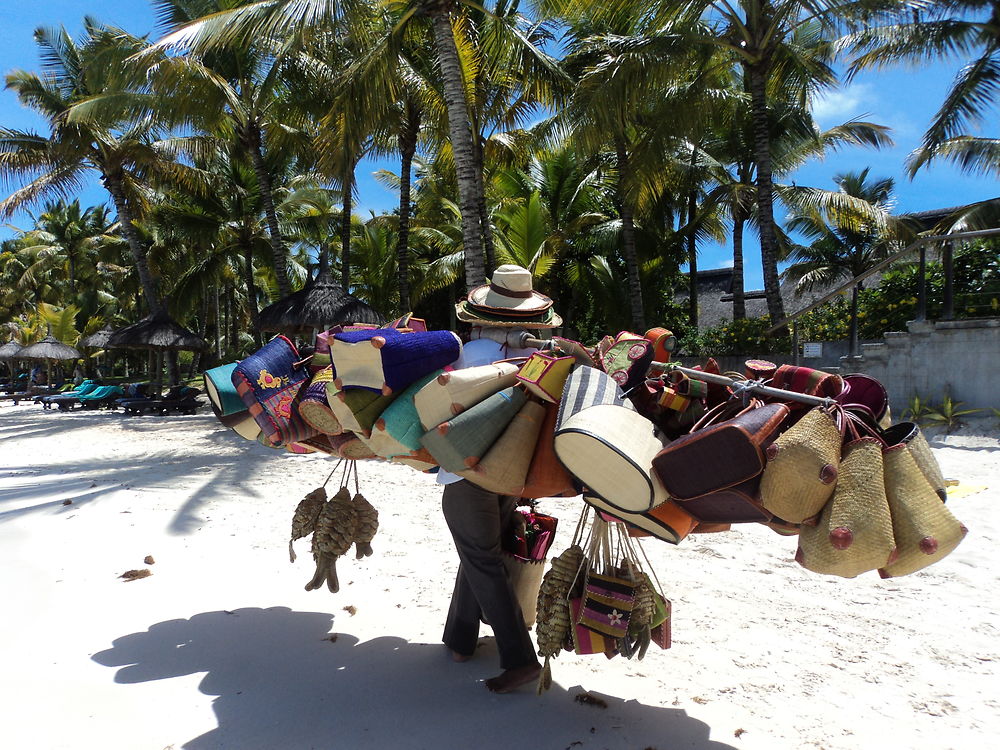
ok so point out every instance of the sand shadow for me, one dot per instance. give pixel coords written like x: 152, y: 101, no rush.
x: 280, y: 681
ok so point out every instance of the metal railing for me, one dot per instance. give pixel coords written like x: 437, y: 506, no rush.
x: 948, y: 295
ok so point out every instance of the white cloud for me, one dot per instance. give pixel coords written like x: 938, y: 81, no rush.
x: 725, y: 264
x: 842, y: 104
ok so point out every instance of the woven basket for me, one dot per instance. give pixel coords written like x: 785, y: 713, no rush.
x: 398, y: 430
x: 924, y: 528
x: 801, y: 469
x: 315, y: 408
x: 453, y: 392
x: 462, y: 441
x: 854, y: 533
x: 350, y: 446
x: 909, y: 434
x: 357, y: 410
x: 504, y: 468
x: 525, y: 578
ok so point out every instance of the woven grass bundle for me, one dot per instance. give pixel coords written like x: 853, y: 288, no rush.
x: 366, y: 525
x: 332, y: 538
x: 305, y: 517
x: 552, y: 623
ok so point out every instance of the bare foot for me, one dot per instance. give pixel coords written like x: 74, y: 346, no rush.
x: 457, y: 657
x: 512, y: 679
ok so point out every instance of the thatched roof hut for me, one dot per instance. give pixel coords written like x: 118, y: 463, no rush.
x: 156, y: 332
x: 97, y: 340
x: 10, y: 350
x: 49, y: 348
x: 319, y: 305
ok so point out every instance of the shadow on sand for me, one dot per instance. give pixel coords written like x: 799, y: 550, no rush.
x: 280, y: 681
x: 217, y: 474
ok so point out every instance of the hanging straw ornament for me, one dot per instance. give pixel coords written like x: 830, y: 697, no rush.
x: 305, y: 517
x: 552, y: 624
x: 333, y: 537
x: 366, y: 523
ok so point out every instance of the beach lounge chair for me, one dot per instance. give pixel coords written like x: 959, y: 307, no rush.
x: 101, y: 398
x: 133, y: 392
x: 179, y: 399
x: 87, y: 386
x: 96, y: 396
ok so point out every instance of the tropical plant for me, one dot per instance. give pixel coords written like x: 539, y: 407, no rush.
x: 948, y: 414
x: 846, y: 243
x: 115, y: 143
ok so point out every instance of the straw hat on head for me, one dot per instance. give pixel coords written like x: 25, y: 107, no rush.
x: 508, y: 300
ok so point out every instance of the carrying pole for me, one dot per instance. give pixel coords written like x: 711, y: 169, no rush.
x: 753, y: 386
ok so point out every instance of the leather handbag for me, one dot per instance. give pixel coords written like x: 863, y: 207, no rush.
x: 737, y: 504
x: 713, y: 457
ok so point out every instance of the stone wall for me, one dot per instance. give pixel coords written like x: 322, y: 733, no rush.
x: 960, y: 355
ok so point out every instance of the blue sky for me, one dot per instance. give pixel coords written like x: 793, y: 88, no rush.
x: 903, y: 99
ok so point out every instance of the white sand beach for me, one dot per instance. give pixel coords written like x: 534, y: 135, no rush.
x: 221, y: 647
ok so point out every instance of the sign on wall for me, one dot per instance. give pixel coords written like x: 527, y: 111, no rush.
x: 812, y: 350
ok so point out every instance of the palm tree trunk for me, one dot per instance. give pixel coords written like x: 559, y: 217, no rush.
x: 855, y: 350
x: 345, y: 226
x: 253, y: 143
x: 628, y: 241
x: 739, y: 298
x: 484, y: 216
x: 247, y: 247
x: 765, y: 191
x: 461, y: 142
x: 113, y: 185
x: 407, y: 149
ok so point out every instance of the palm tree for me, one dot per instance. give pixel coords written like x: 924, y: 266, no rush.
x: 243, y: 24
x: 117, y: 146
x: 764, y: 36
x: 938, y: 30
x: 845, y: 243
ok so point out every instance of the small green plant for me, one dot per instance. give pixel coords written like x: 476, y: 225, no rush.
x: 948, y: 415
x: 917, y: 410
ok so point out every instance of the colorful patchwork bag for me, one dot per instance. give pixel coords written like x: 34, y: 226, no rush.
x: 607, y: 604
x: 627, y: 360
x: 463, y: 440
x: 545, y: 374
x: 388, y: 361
x: 605, y: 443
x: 454, y: 391
x: 270, y: 382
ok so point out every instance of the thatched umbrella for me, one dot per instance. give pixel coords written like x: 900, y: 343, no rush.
x: 8, y: 353
x: 98, y: 340
x: 157, y: 333
x: 48, y: 349
x: 319, y: 305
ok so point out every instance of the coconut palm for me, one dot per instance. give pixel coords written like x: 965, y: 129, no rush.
x: 241, y: 24
x: 118, y: 146
x: 764, y: 37
x: 844, y: 243
x: 943, y: 29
